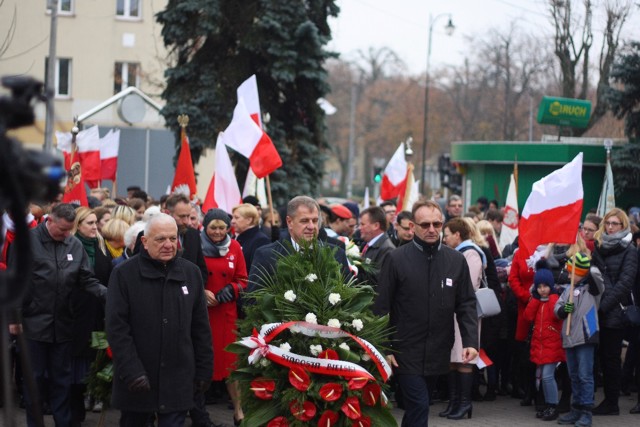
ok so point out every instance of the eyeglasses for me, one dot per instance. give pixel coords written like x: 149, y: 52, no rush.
x: 588, y: 230
x: 612, y: 224
x: 427, y: 225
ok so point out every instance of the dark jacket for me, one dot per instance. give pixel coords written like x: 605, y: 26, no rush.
x: 374, y: 257
x: 250, y: 240
x: 422, y: 286
x: 265, y: 258
x: 618, y: 266
x: 58, y: 268
x: 157, y: 325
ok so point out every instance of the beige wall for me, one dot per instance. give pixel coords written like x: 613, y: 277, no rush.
x: 93, y: 37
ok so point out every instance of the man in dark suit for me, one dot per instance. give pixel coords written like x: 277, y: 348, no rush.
x: 303, y: 222
x: 373, y: 227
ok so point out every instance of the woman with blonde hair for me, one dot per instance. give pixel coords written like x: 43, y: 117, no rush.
x: 617, y: 258
x: 245, y: 221
x: 125, y: 213
x: 113, y: 233
x: 489, y: 233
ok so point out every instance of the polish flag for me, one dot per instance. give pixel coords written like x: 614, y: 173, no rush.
x: 483, y: 360
x: 248, y: 91
x: 553, y: 209
x: 223, y: 192
x: 109, y: 146
x: 184, y: 180
x: 87, y: 150
x: 394, y: 179
x: 510, y: 223
x: 247, y: 138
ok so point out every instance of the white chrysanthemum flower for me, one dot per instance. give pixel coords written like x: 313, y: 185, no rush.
x: 315, y: 349
x: 311, y: 318
x: 365, y: 357
x: 334, y: 323
x: 290, y: 296
x: 311, y: 277
x: 357, y: 324
x: 285, y: 347
x: 334, y: 298
x: 264, y: 362
x: 344, y: 346
x: 353, y: 251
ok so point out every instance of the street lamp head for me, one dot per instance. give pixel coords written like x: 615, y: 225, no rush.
x: 409, y: 151
x: 449, y: 28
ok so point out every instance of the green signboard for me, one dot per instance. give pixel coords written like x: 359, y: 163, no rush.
x: 564, y: 112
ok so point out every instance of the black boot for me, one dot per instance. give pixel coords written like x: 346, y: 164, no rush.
x: 465, y: 408
x: 454, y: 396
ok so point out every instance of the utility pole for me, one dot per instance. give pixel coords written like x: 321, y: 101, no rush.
x: 51, y: 78
x: 351, y: 154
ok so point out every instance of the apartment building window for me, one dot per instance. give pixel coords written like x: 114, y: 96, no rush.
x: 128, y: 9
x: 62, y: 83
x: 125, y: 74
x: 65, y: 7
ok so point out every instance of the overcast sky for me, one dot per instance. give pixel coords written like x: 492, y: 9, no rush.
x: 402, y: 25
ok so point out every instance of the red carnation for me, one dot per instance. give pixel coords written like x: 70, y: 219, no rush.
x: 263, y: 388
x: 299, y: 378
x: 278, y: 422
x: 362, y: 422
x: 329, y: 354
x: 351, y: 408
x: 357, y: 383
x: 109, y: 353
x: 371, y: 394
x: 331, y: 392
x: 305, y: 412
x: 328, y: 418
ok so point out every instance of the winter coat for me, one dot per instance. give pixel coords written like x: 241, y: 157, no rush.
x: 57, y: 269
x: 546, y: 339
x: 619, y: 266
x: 421, y: 287
x: 520, y: 281
x: 228, y: 269
x: 584, y: 320
x: 250, y: 240
x: 157, y: 325
x: 374, y: 257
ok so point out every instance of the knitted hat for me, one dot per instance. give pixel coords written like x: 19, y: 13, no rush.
x: 543, y: 275
x: 579, y: 263
x: 216, y: 214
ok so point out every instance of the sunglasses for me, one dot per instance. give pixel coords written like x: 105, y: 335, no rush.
x: 427, y: 225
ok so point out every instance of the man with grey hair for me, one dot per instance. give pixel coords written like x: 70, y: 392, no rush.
x: 454, y: 207
x: 60, y: 265
x: 303, y: 223
x: 158, y: 329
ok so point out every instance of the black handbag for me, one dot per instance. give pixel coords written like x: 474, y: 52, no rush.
x: 631, y: 313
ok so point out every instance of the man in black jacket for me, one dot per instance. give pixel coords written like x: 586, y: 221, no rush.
x: 60, y: 265
x: 158, y: 329
x: 373, y: 227
x: 421, y: 286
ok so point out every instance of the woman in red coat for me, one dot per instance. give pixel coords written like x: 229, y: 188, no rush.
x: 227, y: 279
x: 546, y: 339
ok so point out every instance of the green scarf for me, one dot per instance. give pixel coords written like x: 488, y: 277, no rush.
x: 89, y: 246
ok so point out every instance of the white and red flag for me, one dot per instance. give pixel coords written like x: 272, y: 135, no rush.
x: 394, y: 179
x: 248, y: 91
x: 223, y: 192
x: 553, y: 209
x: 184, y: 180
x: 509, y: 230
x: 87, y: 151
x: 109, y: 146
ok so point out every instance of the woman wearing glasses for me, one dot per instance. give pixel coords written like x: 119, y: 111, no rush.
x: 616, y: 257
x: 590, y: 225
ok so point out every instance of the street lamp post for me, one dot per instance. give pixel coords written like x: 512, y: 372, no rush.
x: 449, y: 28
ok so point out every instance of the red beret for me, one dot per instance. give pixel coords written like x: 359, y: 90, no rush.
x: 341, y: 211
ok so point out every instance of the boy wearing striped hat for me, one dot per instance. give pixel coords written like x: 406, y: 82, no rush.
x: 582, y: 302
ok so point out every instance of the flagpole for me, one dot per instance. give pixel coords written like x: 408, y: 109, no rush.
x: 270, y: 201
x: 115, y: 188
x: 573, y: 281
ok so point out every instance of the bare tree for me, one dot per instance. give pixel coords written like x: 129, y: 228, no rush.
x: 11, y: 31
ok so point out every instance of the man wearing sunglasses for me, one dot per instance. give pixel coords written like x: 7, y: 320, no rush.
x: 421, y: 286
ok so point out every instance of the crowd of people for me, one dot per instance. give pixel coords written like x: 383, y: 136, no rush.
x: 167, y: 282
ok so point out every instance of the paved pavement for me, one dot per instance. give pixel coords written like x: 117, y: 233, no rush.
x: 504, y: 411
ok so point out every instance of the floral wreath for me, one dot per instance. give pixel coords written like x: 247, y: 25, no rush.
x: 309, y: 354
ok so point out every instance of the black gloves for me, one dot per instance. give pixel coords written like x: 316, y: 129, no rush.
x: 200, y: 386
x: 226, y: 294
x: 139, y: 384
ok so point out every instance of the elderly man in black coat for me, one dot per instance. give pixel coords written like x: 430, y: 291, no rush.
x: 158, y: 329
x: 421, y: 286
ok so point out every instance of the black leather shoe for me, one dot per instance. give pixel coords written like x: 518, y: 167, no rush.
x: 635, y: 409
x: 606, y: 408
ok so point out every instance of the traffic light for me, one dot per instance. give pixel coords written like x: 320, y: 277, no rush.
x: 377, y: 174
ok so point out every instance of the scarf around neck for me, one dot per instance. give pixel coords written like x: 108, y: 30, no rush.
x: 89, y: 246
x: 212, y: 249
x: 612, y: 241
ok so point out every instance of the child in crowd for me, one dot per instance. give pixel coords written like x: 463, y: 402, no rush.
x: 546, y: 342
x: 582, y: 304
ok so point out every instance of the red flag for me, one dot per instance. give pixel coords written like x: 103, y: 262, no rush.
x: 75, y: 191
x: 223, y: 191
x: 109, y: 146
x: 553, y: 209
x: 394, y: 180
x: 184, y: 181
x: 87, y: 151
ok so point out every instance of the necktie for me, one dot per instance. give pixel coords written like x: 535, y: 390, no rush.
x: 364, y: 250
